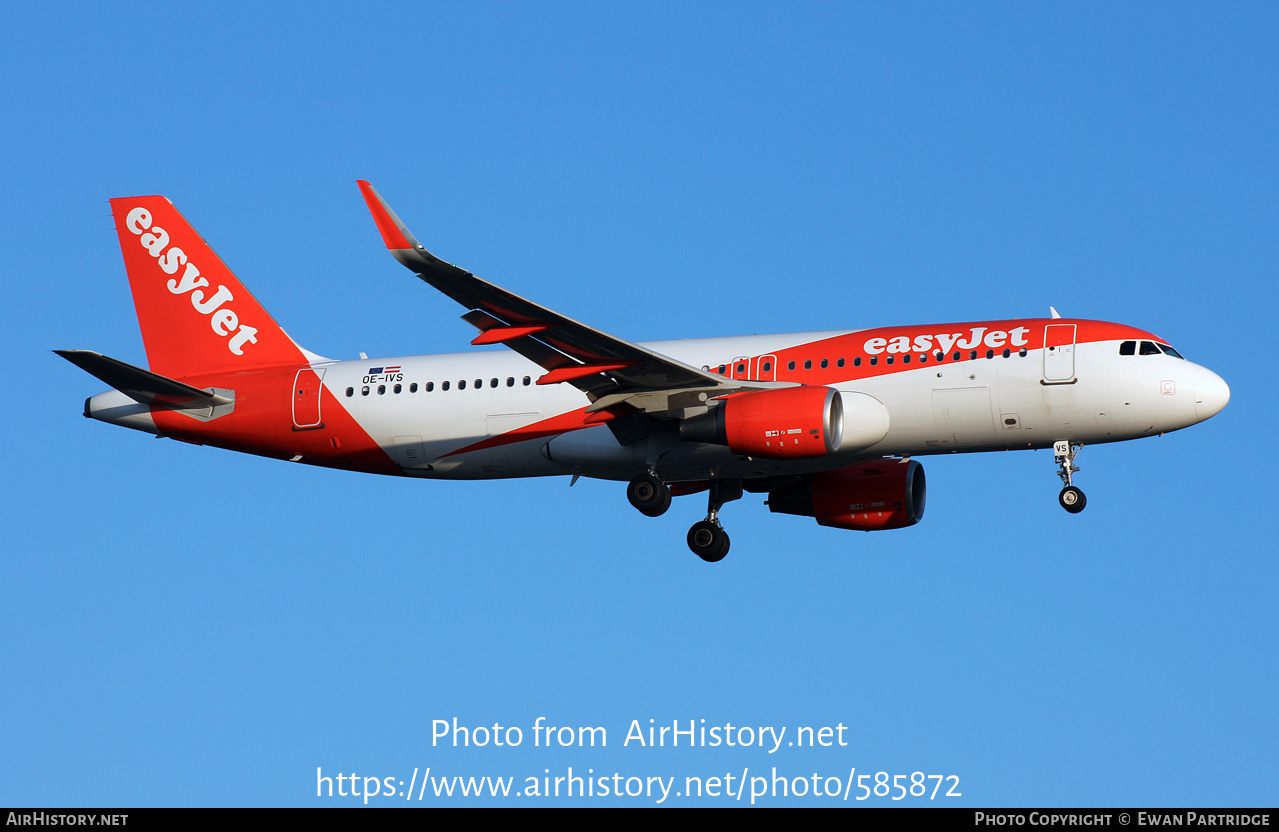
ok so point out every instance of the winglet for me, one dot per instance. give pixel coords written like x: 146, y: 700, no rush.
x: 399, y: 240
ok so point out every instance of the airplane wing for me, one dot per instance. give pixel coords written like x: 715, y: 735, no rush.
x: 608, y: 369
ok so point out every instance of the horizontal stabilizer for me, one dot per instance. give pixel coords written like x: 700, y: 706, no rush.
x: 143, y: 386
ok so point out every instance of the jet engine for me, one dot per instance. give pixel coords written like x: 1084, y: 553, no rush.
x: 791, y: 423
x: 870, y: 496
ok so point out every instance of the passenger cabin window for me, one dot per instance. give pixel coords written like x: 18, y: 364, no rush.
x: 510, y: 381
x: 808, y: 365
x: 444, y: 386
x: 527, y: 381
x: 768, y: 366
x: 839, y: 363
x: 365, y: 390
x: 461, y: 385
x: 790, y: 365
x: 741, y: 368
x: 381, y: 389
x: 1128, y: 348
x: 398, y: 388
x: 430, y: 385
x: 413, y: 387
x: 857, y: 362
x: 825, y: 363
x: 350, y: 391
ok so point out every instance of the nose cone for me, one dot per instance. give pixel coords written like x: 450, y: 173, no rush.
x: 1211, y: 394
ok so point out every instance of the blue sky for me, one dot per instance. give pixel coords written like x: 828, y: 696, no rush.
x: 186, y: 626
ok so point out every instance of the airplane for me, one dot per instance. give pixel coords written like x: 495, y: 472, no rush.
x: 827, y: 424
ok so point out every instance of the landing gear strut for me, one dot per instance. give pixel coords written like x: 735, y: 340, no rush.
x: 1071, y: 498
x: 649, y: 494
x: 707, y: 538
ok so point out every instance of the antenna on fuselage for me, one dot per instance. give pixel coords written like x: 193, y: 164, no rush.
x: 1054, y: 312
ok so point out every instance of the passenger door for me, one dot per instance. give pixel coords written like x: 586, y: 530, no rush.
x: 1059, y: 353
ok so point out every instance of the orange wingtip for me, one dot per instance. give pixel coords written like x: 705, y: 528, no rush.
x: 386, y: 222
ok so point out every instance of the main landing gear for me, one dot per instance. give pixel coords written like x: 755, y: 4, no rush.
x: 649, y: 494
x: 706, y: 538
x: 1071, y: 498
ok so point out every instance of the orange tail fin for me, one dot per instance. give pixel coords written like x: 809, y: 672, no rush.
x: 195, y: 314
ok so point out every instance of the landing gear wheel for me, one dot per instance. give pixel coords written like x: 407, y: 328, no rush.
x: 649, y: 494
x: 708, y: 541
x: 1072, y: 499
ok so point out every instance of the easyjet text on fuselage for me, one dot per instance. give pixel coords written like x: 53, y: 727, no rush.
x: 943, y: 342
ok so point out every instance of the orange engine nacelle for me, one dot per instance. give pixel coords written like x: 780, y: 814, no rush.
x: 883, y: 494
x: 790, y: 423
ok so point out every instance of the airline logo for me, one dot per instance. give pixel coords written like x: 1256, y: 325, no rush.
x: 979, y: 335
x: 222, y: 319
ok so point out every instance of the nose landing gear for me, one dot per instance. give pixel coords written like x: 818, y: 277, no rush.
x: 1071, y: 498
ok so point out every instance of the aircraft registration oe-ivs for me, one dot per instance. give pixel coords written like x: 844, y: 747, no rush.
x: 826, y: 423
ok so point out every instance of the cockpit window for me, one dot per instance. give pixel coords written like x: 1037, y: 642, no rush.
x: 1170, y: 351
x: 1128, y: 348
x: 1148, y: 348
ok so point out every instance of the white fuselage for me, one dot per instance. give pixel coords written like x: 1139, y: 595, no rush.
x: 962, y: 406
